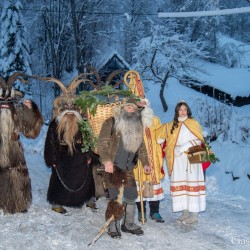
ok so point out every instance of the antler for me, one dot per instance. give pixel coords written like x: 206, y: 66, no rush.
x: 113, y: 74
x: 15, y: 76
x: 92, y: 69
x: 77, y: 80
x: 2, y: 83
x: 52, y: 79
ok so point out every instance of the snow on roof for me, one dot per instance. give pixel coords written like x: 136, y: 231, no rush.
x: 234, y: 81
x: 108, y: 57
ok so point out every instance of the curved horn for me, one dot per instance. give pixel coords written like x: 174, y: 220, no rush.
x: 97, y: 76
x: 2, y: 83
x: 112, y: 75
x: 52, y: 79
x: 15, y: 76
x: 76, y: 81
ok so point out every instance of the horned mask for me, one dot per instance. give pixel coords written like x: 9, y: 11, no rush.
x: 7, y: 93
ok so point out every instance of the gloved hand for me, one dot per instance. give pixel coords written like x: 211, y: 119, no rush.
x: 184, y: 147
x: 177, y: 152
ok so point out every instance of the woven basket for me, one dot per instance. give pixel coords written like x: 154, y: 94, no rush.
x: 103, y: 112
x: 196, y: 157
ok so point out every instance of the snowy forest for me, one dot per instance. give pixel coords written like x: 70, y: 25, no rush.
x: 203, y: 60
x: 59, y: 38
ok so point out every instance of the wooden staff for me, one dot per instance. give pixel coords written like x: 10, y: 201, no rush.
x: 104, y: 228
x: 140, y: 192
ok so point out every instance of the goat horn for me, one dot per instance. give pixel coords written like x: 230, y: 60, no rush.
x: 113, y: 74
x: 2, y: 83
x: 98, y: 78
x: 76, y: 81
x: 52, y: 79
x: 15, y: 76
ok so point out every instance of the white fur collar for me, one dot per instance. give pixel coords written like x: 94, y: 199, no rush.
x: 182, y: 119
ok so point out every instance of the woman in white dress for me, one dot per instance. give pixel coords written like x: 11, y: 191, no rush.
x: 187, y: 184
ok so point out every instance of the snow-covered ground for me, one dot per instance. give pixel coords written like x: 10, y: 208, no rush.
x: 224, y: 225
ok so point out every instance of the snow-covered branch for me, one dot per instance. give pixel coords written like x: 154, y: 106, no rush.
x: 205, y: 13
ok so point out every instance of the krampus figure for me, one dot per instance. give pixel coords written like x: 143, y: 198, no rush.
x: 16, y: 118
x: 71, y: 183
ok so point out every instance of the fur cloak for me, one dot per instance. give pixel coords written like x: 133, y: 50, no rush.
x: 71, y: 183
x: 15, y: 184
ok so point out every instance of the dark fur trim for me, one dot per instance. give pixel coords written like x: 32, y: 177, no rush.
x: 118, y: 177
x: 116, y: 209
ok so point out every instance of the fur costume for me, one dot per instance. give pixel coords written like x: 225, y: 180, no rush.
x: 71, y: 183
x: 15, y: 119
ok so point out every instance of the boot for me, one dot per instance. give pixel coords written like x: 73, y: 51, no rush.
x: 154, y: 211
x: 192, y: 219
x: 59, y: 209
x: 129, y: 225
x: 92, y: 204
x: 140, y: 217
x: 115, y: 229
x: 184, y: 216
x: 138, y: 204
x: 157, y: 217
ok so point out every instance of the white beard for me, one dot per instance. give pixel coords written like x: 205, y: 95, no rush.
x: 147, y: 117
x: 6, y: 130
x: 130, y: 127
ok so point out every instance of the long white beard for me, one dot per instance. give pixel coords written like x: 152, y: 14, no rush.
x: 130, y: 127
x: 6, y: 130
x: 147, y: 117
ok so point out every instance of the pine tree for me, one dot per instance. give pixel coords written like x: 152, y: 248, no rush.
x: 14, y: 49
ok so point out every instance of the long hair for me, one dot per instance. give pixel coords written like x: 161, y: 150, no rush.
x: 176, y: 114
x: 130, y: 127
x: 67, y: 128
x: 6, y: 130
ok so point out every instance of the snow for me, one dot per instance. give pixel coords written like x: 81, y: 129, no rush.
x: 226, y: 219
x: 204, y: 13
x: 224, y: 225
x: 234, y: 81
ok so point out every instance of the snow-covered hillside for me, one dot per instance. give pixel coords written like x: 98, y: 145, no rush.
x: 224, y: 225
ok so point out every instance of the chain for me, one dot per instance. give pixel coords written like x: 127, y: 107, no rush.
x: 66, y: 187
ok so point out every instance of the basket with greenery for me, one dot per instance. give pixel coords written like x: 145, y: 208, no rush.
x: 201, y: 153
x: 97, y: 106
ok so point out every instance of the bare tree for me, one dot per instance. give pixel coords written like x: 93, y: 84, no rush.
x: 57, y: 38
x: 166, y: 54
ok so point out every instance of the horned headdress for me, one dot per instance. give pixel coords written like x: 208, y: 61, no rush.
x: 7, y: 92
x: 67, y: 99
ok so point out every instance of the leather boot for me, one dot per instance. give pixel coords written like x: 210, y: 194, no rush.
x: 115, y: 229
x: 59, y: 209
x: 128, y: 225
x: 192, y: 219
x: 184, y: 216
